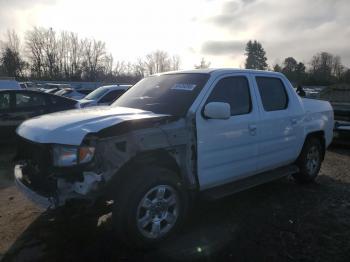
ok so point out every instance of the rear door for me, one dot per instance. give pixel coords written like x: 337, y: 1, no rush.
x: 278, y: 126
x: 227, y: 148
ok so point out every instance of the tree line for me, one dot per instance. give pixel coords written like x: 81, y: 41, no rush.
x: 323, y: 69
x: 49, y: 55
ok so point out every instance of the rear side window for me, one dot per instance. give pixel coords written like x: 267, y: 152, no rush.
x: 24, y: 100
x: 273, y: 93
x: 60, y: 101
x: 4, y: 101
x: 111, y: 96
x: 234, y: 91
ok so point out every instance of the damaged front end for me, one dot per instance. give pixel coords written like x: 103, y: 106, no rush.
x: 53, y: 174
x: 50, y: 174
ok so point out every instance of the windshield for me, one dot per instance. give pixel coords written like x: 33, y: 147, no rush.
x: 164, y: 94
x: 96, y: 94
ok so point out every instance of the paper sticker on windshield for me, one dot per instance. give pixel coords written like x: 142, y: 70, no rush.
x: 184, y: 87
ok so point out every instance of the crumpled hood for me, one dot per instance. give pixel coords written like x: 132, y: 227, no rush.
x: 70, y: 127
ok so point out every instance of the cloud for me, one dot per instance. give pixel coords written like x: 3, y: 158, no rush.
x: 13, y: 12
x: 234, y: 14
x: 222, y: 47
x: 286, y: 28
x: 24, y: 3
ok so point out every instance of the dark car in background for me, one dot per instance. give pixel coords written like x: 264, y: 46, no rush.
x: 339, y: 97
x: 19, y: 105
x: 342, y: 123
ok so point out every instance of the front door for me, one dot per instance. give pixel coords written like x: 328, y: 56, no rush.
x: 227, y: 148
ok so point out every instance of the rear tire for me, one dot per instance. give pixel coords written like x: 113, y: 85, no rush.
x: 309, y: 161
x: 150, y: 207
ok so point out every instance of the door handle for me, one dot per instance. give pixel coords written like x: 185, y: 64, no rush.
x: 294, y: 121
x: 252, y: 129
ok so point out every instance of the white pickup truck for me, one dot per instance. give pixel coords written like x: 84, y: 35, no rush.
x: 171, y: 137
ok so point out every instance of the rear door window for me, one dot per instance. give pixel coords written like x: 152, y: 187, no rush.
x: 60, y: 101
x: 273, y: 93
x: 29, y: 100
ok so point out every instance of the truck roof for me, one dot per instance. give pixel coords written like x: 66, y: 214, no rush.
x: 222, y: 71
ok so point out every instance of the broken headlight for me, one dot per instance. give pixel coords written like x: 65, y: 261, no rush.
x: 65, y: 156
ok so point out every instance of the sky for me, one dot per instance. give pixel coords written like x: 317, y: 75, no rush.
x: 213, y: 29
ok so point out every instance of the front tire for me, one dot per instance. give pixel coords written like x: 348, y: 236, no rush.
x: 309, y: 161
x: 150, y: 207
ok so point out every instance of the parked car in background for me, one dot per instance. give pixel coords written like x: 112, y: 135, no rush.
x: 70, y: 93
x: 8, y: 83
x: 52, y: 90
x: 84, y: 91
x: 342, y: 123
x: 339, y: 97
x: 23, y: 85
x: 19, y: 105
x: 171, y: 137
x: 104, y: 95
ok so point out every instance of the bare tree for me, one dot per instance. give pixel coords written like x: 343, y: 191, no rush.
x: 64, y: 56
x: 119, y: 68
x: 50, y: 48
x: 35, y: 51
x: 203, y: 64
x: 175, y: 62
x: 139, y: 68
x: 157, y: 62
x: 93, y: 58
x: 326, y: 68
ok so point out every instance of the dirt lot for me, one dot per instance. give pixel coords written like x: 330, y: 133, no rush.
x: 279, y: 221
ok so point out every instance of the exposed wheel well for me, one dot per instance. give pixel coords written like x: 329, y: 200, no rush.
x: 321, y: 136
x: 160, y: 158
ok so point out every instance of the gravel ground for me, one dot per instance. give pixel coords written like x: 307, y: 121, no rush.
x: 278, y: 221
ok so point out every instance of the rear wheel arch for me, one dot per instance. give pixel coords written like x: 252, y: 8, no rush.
x: 320, y: 135
x: 310, y: 159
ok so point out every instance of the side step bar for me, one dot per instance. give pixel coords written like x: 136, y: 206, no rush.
x: 246, y: 183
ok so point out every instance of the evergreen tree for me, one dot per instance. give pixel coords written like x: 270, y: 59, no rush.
x: 277, y: 68
x: 256, y: 56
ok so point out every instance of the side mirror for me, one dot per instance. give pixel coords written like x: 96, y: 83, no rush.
x: 217, y: 110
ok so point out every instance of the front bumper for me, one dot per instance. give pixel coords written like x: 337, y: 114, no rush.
x: 40, y: 200
x: 65, y: 191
